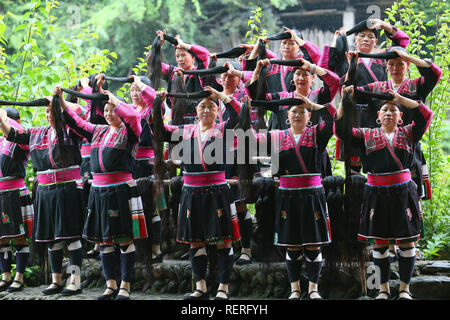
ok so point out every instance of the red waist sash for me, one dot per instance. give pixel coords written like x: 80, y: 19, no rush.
x: 388, y: 179
x: 145, y: 153
x: 204, y: 178
x: 300, y: 181
x: 85, y: 150
x: 14, y: 183
x: 112, y: 178
x: 59, y: 175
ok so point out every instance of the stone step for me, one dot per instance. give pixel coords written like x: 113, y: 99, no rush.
x: 172, y: 279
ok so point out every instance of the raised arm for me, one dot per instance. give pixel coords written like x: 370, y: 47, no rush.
x: 12, y: 132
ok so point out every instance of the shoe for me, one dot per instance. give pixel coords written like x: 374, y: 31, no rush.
x: 407, y: 292
x: 388, y: 295
x: 92, y: 254
x: 158, y: 258
x: 203, y: 296
x: 68, y: 292
x: 309, y: 295
x: 295, y: 291
x: 121, y: 297
x: 241, y: 261
x: 16, y: 289
x: 110, y: 296
x: 220, y: 298
x: 50, y: 291
x: 6, y: 285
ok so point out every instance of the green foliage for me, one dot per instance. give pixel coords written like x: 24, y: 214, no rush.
x: 31, y: 275
x: 254, y: 24
x: 436, y: 46
x: 41, y: 59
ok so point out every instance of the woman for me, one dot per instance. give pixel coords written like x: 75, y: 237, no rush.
x: 366, y: 38
x: 204, y: 214
x: 390, y: 212
x: 279, y: 78
x: 55, y: 154
x: 142, y: 95
x: 113, y: 198
x: 397, y: 69
x: 303, y: 78
x: 301, y: 215
x: 230, y: 82
x: 417, y: 89
x: 15, y: 205
x: 186, y: 55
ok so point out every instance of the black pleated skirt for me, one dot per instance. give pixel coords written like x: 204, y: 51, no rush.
x: 391, y: 215
x: 59, y: 212
x: 114, y: 214
x: 204, y: 215
x: 17, y: 214
x: 301, y: 217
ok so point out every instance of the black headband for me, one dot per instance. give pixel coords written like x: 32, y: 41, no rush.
x: 190, y: 95
x: 33, y: 103
x: 92, y: 97
x: 284, y: 35
x: 363, y: 25
x: 171, y: 39
x: 291, y: 63
x: 382, y: 55
x: 203, y: 72
x: 232, y: 53
x: 273, y: 105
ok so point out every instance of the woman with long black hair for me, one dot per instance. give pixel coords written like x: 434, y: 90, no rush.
x: 114, y: 206
x: 301, y: 223
x: 188, y: 57
x: 205, y: 213
x: 303, y: 76
x: 390, y: 211
x: 55, y: 154
x: 16, y: 206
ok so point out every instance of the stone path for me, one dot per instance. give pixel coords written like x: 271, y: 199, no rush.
x: 431, y: 280
x: 35, y: 293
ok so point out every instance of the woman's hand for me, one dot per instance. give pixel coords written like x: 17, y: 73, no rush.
x: 262, y: 63
x: 295, y: 37
x: 138, y: 82
x: 58, y: 92
x: 112, y: 98
x: 217, y: 95
x: 84, y: 83
x: 350, y: 55
x: 182, y: 44
x: 379, y: 24
x: 160, y: 34
x: 181, y: 74
x: 248, y: 48
x: 232, y: 71
x: 214, y: 93
x: 3, y: 116
x: 306, y: 102
x: 100, y: 81
x: 347, y: 89
x: 402, y: 54
x: 162, y: 95
x: 213, y: 56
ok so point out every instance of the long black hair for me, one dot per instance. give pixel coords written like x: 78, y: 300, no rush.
x: 245, y: 167
x: 97, y: 106
x: 61, y: 132
x: 154, y: 68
